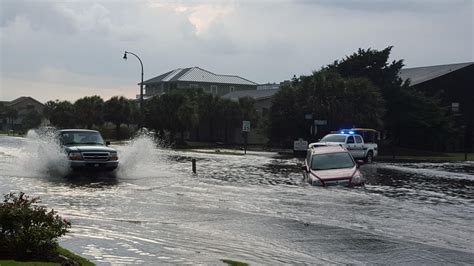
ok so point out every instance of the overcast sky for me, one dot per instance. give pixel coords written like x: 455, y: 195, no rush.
x: 69, y: 49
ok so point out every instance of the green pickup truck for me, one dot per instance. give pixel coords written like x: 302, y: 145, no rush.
x: 86, y: 150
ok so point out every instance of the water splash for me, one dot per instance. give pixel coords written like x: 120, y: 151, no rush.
x: 42, y: 155
x: 141, y: 157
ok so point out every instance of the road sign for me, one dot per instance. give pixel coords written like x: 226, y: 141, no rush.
x: 246, y: 126
x: 320, y: 122
x: 300, y: 145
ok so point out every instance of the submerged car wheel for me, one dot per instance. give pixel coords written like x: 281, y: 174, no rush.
x: 370, y: 157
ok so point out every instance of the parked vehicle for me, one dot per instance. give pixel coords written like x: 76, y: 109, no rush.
x: 332, y: 165
x: 86, y: 150
x: 354, y: 143
x: 368, y: 134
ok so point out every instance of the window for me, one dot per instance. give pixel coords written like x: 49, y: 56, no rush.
x: 358, y: 139
x: 308, y: 157
x: 214, y: 89
x: 81, y: 137
x: 231, y: 89
x: 193, y: 85
x: 350, y: 139
x: 332, y: 161
x: 334, y: 138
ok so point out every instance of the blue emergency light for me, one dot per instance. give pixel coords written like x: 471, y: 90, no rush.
x: 348, y: 132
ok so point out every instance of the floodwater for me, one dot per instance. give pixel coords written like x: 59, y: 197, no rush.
x: 254, y: 208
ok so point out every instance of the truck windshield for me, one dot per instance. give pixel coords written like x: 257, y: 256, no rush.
x: 332, y: 161
x: 334, y: 138
x: 81, y: 138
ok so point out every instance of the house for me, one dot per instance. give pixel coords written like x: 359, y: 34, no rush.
x: 263, y: 103
x: 196, y: 77
x: 23, y: 106
x: 453, y: 84
x: 263, y: 98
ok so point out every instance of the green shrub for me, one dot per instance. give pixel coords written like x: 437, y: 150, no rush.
x: 28, y: 231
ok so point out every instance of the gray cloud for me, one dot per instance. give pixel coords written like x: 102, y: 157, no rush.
x: 81, y: 43
x: 41, y: 15
x: 420, y: 6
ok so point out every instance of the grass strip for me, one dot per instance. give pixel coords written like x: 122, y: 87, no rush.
x: 60, y: 251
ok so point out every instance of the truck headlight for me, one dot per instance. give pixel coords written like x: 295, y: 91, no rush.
x: 113, y: 156
x: 75, y: 156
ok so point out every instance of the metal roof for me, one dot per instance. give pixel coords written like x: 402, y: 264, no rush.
x: 419, y: 75
x: 256, y: 94
x: 197, y: 74
x: 20, y: 99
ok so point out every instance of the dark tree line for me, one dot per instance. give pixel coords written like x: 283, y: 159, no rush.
x: 362, y: 90
x: 170, y: 115
x: 91, y: 111
x: 31, y: 119
x: 193, y: 111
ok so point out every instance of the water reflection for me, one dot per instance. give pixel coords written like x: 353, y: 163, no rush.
x: 253, y: 208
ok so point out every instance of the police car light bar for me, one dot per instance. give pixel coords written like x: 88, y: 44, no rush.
x: 349, y: 132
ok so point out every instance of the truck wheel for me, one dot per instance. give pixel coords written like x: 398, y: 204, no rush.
x: 370, y: 157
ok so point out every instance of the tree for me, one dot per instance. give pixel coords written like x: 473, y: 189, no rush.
x: 31, y: 120
x: 209, y: 111
x: 89, y: 111
x: 152, y: 111
x: 325, y: 95
x: 11, y: 114
x: 231, y: 116
x: 117, y: 111
x: 60, y: 114
x: 2, y: 112
x: 247, y: 109
x: 283, y: 122
x: 410, y: 113
x: 188, y: 116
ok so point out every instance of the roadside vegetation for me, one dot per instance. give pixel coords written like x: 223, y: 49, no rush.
x: 29, y: 233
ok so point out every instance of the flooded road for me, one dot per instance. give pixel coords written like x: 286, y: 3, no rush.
x: 253, y: 208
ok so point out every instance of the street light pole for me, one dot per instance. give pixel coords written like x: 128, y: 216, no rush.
x: 141, y: 87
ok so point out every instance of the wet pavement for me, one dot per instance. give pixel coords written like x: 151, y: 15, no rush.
x: 254, y: 208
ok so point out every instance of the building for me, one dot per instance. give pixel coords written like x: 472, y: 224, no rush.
x: 453, y: 84
x: 268, y: 86
x: 196, y: 77
x: 263, y: 98
x: 273, y: 86
x: 23, y: 106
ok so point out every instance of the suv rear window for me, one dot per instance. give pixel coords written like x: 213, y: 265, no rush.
x: 332, y: 161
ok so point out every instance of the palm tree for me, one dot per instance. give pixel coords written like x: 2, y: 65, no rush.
x: 60, y: 114
x: 89, y: 110
x: 117, y: 111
